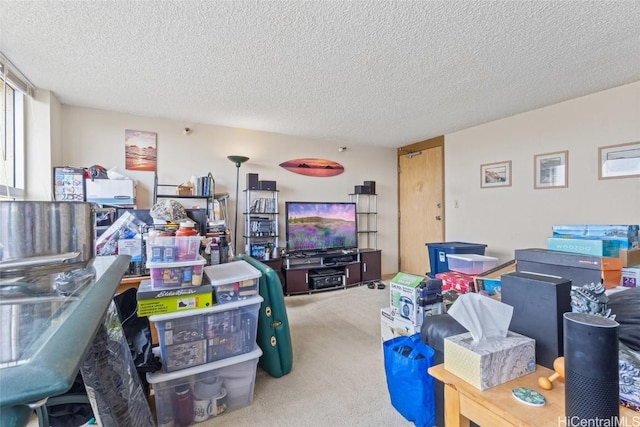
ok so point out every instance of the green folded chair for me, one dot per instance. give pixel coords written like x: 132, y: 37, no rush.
x: 273, y: 334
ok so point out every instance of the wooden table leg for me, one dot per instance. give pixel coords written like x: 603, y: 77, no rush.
x: 452, y: 416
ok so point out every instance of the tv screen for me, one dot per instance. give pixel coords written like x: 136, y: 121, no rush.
x: 314, y: 226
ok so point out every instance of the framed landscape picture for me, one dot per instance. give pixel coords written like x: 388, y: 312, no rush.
x: 619, y: 161
x: 495, y: 174
x: 551, y: 170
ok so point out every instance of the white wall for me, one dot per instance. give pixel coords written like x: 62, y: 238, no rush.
x: 97, y: 137
x: 518, y: 216
x: 43, y: 145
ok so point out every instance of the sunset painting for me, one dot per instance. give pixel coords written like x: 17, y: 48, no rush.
x: 140, y: 150
x: 313, y: 167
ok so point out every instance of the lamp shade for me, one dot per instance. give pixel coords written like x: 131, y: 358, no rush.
x: 238, y: 160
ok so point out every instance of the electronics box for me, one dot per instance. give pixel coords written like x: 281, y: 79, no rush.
x: 227, y: 330
x: 597, y: 247
x: 233, y: 281
x: 404, y: 289
x: 131, y: 247
x: 176, y: 274
x: 470, y: 263
x: 196, y: 394
x: 162, y: 301
x: 488, y: 364
x: 392, y: 326
x: 580, y: 269
x: 111, y: 191
x: 438, y: 254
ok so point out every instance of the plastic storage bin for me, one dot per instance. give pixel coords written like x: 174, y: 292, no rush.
x: 471, y: 263
x: 173, y: 248
x: 197, y: 394
x: 438, y: 254
x: 176, y: 274
x: 200, y: 336
x: 234, y: 281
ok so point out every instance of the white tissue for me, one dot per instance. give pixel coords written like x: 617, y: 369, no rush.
x: 484, y: 317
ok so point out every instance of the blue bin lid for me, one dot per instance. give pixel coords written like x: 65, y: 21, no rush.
x: 453, y: 245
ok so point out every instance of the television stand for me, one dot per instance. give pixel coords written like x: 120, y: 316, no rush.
x: 319, y: 271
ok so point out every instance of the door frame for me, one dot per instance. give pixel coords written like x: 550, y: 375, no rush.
x: 438, y: 141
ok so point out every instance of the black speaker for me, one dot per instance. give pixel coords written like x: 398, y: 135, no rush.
x: 592, y: 386
x: 539, y: 303
x: 252, y: 181
x: 267, y: 185
x: 371, y: 185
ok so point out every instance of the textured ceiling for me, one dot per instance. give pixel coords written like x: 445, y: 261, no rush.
x: 385, y: 73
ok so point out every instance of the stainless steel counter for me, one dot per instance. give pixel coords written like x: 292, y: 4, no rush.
x: 49, y: 364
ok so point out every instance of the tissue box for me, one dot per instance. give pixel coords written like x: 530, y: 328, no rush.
x: 404, y: 297
x: 488, y: 364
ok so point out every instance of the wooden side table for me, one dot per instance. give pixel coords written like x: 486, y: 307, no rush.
x: 496, y: 407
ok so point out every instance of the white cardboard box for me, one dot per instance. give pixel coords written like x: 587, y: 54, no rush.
x: 630, y: 277
x: 490, y: 363
x: 111, y: 191
x: 392, y: 326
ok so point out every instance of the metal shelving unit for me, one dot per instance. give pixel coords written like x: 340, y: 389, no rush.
x: 367, y: 219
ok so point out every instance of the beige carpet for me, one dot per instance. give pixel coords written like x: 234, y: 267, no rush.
x: 338, y: 374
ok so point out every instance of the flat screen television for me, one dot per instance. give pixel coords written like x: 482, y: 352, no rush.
x: 319, y: 227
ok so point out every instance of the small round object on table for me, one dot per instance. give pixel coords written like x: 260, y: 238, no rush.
x: 528, y: 396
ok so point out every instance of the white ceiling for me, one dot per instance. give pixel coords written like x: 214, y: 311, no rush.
x: 385, y: 73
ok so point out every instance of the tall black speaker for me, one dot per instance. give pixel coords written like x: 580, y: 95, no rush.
x: 592, y: 387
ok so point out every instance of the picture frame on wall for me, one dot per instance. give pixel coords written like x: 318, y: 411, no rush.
x: 494, y: 175
x: 551, y: 170
x: 619, y: 161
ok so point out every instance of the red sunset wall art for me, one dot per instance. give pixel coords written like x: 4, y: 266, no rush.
x: 313, y: 167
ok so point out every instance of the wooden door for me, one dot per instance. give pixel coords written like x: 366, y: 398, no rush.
x: 421, y: 202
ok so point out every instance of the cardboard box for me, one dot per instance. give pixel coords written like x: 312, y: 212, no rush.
x: 111, y: 191
x: 488, y: 364
x: 459, y: 282
x: 152, y: 301
x: 490, y: 281
x: 627, y: 235
x: 404, y: 292
x: 630, y: 258
x: 598, y: 247
x: 630, y: 277
x: 392, y: 326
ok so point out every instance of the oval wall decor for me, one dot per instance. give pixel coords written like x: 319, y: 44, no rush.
x: 313, y: 167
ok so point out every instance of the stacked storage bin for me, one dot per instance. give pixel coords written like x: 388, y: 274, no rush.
x: 209, y: 355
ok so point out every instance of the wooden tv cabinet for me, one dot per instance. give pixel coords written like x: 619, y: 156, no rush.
x: 306, y: 273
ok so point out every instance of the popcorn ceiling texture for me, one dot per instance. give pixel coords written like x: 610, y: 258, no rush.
x: 385, y: 73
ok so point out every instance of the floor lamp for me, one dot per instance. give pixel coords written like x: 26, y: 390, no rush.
x: 238, y: 160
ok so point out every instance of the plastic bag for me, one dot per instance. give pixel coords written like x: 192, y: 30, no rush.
x: 406, y: 360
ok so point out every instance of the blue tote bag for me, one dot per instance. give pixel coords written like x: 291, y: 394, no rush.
x: 406, y: 360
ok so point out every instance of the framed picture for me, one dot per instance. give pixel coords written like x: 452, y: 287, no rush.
x: 495, y: 175
x: 551, y: 170
x: 619, y: 161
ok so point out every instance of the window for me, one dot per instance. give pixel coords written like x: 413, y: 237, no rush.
x: 12, y: 166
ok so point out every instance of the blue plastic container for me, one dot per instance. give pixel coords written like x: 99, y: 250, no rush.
x: 438, y: 254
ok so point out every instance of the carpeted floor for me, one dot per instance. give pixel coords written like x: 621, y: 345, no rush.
x: 338, y: 374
